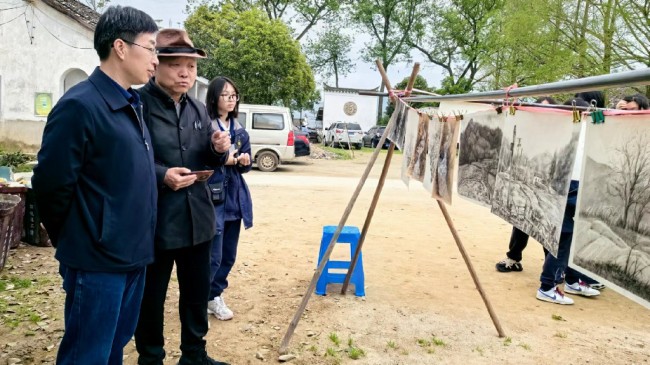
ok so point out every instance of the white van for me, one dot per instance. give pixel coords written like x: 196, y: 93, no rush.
x: 271, y: 132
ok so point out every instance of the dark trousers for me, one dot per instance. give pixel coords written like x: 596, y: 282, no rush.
x: 224, y: 253
x: 553, y: 271
x: 101, y: 310
x: 518, y: 242
x: 193, y: 273
x: 554, y: 267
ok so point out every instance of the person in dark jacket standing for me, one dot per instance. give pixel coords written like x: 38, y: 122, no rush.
x: 95, y: 187
x: 183, y: 142
x: 223, y: 103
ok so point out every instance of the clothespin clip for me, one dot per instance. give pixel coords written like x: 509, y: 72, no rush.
x: 597, y: 116
x: 576, y: 112
x: 511, y: 108
x: 458, y: 116
x: 499, y: 109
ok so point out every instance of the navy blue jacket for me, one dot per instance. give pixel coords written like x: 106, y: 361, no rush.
x: 95, y: 183
x: 238, y: 203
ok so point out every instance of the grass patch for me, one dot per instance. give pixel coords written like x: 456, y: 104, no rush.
x: 355, y: 353
x: 507, y: 341
x: 335, y: 338
x: 392, y: 345
x: 34, y: 318
x: 438, y: 342
x: 341, y: 154
x: 478, y: 349
x: 313, y: 348
x: 423, y: 342
x: 560, y: 335
x: 330, y: 352
x: 14, y: 283
x: 557, y: 317
x: 524, y: 346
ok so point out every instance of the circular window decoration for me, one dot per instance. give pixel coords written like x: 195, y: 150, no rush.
x: 350, y: 108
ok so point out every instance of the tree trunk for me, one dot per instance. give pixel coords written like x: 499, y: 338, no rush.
x: 336, y: 74
x: 609, y: 22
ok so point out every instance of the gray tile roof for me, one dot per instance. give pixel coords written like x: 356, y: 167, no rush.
x: 81, y: 13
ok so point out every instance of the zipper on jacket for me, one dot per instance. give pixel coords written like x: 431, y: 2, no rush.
x: 137, y: 116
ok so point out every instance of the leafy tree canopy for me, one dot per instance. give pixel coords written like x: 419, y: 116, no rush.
x: 259, y: 54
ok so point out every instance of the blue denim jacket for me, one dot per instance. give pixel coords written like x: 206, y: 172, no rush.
x: 238, y: 203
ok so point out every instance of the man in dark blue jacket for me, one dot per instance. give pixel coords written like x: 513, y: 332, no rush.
x: 95, y: 186
x: 183, y: 142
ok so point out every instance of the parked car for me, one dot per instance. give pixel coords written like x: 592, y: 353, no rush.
x: 301, y: 143
x: 315, y: 132
x: 344, y: 134
x: 371, y: 139
x: 271, y: 132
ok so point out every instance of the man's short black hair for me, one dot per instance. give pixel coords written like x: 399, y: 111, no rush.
x: 120, y: 22
x: 640, y: 100
x: 596, y: 97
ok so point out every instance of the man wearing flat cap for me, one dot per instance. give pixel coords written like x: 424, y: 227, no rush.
x: 183, y: 143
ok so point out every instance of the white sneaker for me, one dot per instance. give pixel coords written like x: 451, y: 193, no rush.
x: 553, y: 296
x: 219, y: 309
x: 581, y: 288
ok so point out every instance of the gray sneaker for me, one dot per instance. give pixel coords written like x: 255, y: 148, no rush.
x: 219, y: 309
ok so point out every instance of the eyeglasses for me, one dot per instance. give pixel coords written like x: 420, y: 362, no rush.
x: 230, y: 97
x: 151, y: 50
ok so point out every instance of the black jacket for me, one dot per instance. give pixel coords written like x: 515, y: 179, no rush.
x: 95, y: 184
x: 186, y: 216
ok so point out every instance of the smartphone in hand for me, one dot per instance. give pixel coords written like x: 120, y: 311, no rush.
x: 202, y: 175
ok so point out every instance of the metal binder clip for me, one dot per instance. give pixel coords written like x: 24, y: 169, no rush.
x: 597, y: 116
x: 576, y: 113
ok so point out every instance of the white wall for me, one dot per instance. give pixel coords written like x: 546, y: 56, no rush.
x: 333, y: 103
x: 39, y: 64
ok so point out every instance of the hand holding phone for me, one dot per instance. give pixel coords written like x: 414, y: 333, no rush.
x: 201, y: 175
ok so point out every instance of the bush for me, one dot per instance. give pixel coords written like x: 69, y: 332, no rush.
x: 13, y: 159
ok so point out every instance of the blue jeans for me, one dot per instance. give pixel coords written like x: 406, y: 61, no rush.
x: 224, y: 253
x: 554, y: 267
x: 101, y: 312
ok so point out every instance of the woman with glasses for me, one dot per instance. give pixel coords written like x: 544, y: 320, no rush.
x: 234, y: 204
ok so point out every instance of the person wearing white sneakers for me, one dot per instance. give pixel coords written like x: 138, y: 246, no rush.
x: 552, y: 278
x: 235, y: 205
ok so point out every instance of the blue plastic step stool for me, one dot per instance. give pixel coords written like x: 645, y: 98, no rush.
x: 350, y: 235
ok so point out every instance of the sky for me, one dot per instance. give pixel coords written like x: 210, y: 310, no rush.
x: 364, y: 76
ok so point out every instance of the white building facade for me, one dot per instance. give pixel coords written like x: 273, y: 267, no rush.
x: 46, y: 48
x: 346, y: 105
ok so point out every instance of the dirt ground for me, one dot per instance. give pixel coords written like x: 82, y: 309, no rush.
x: 421, y: 306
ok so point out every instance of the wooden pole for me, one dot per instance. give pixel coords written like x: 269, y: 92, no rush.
x: 470, y: 267
x: 321, y: 265
x: 371, y: 212
x: 380, y: 183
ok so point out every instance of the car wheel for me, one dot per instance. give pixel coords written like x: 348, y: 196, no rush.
x: 374, y: 144
x: 267, y: 161
x: 357, y: 146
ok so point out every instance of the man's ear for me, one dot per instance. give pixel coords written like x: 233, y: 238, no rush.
x: 119, y: 47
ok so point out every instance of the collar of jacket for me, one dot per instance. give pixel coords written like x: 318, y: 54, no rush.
x: 161, y: 94
x: 108, y: 91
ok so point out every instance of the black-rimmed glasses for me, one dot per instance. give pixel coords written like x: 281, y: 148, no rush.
x: 230, y: 97
x: 152, y: 50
